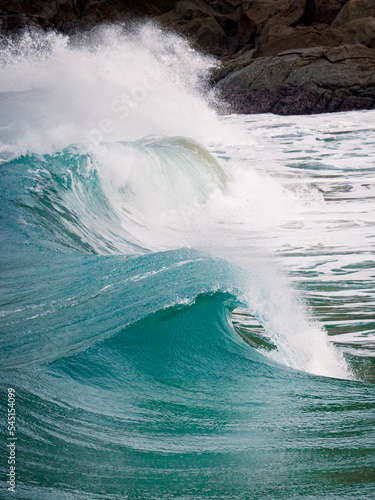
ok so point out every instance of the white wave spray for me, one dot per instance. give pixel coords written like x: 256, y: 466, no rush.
x: 108, y: 85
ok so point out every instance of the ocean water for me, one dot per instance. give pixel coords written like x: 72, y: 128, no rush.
x: 187, y: 300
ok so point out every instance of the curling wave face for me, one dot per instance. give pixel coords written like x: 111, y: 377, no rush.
x: 155, y: 195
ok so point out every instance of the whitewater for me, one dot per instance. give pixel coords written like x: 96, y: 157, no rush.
x: 187, y: 300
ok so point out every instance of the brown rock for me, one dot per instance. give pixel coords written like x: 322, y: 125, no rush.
x: 246, y: 30
x: 207, y: 35
x: 65, y: 15
x: 354, y: 9
x: 260, y: 16
x: 280, y: 31
x: 346, y: 52
x: 360, y: 31
x: 197, y: 21
x: 288, y: 14
x: 298, y: 38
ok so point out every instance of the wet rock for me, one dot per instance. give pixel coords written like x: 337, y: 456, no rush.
x: 304, y: 81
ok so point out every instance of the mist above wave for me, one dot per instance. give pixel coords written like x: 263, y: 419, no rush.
x: 108, y: 85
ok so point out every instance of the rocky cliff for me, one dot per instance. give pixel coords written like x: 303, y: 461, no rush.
x: 280, y: 56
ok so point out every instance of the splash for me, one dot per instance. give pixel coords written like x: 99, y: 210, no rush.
x: 108, y: 85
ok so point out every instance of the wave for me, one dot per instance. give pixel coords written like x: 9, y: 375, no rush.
x: 154, y: 195
x: 127, y: 194
x: 128, y: 372
x: 134, y: 264
x: 125, y: 198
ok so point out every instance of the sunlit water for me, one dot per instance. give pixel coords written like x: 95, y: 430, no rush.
x: 187, y: 302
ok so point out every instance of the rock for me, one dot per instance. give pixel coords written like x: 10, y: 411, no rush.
x: 354, y: 9
x: 280, y: 31
x: 360, y: 31
x: 260, y: 16
x: 288, y: 13
x: 231, y: 65
x: 348, y: 52
x: 322, y: 11
x: 212, y: 25
x: 15, y: 22
x: 198, y: 21
x: 304, y: 81
x: 298, y: 38
x: 246, y: 30
x: 207, y: 35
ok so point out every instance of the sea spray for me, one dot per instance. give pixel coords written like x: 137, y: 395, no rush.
x: 107, y: 85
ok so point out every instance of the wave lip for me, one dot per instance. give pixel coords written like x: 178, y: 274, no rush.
x: 127, y: 197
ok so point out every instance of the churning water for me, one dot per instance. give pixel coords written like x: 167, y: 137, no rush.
x: 187, y: 303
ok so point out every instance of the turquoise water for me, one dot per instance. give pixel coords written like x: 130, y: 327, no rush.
x: 187, y: 301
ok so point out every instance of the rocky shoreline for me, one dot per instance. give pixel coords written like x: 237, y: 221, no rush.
x: 278, y: 56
